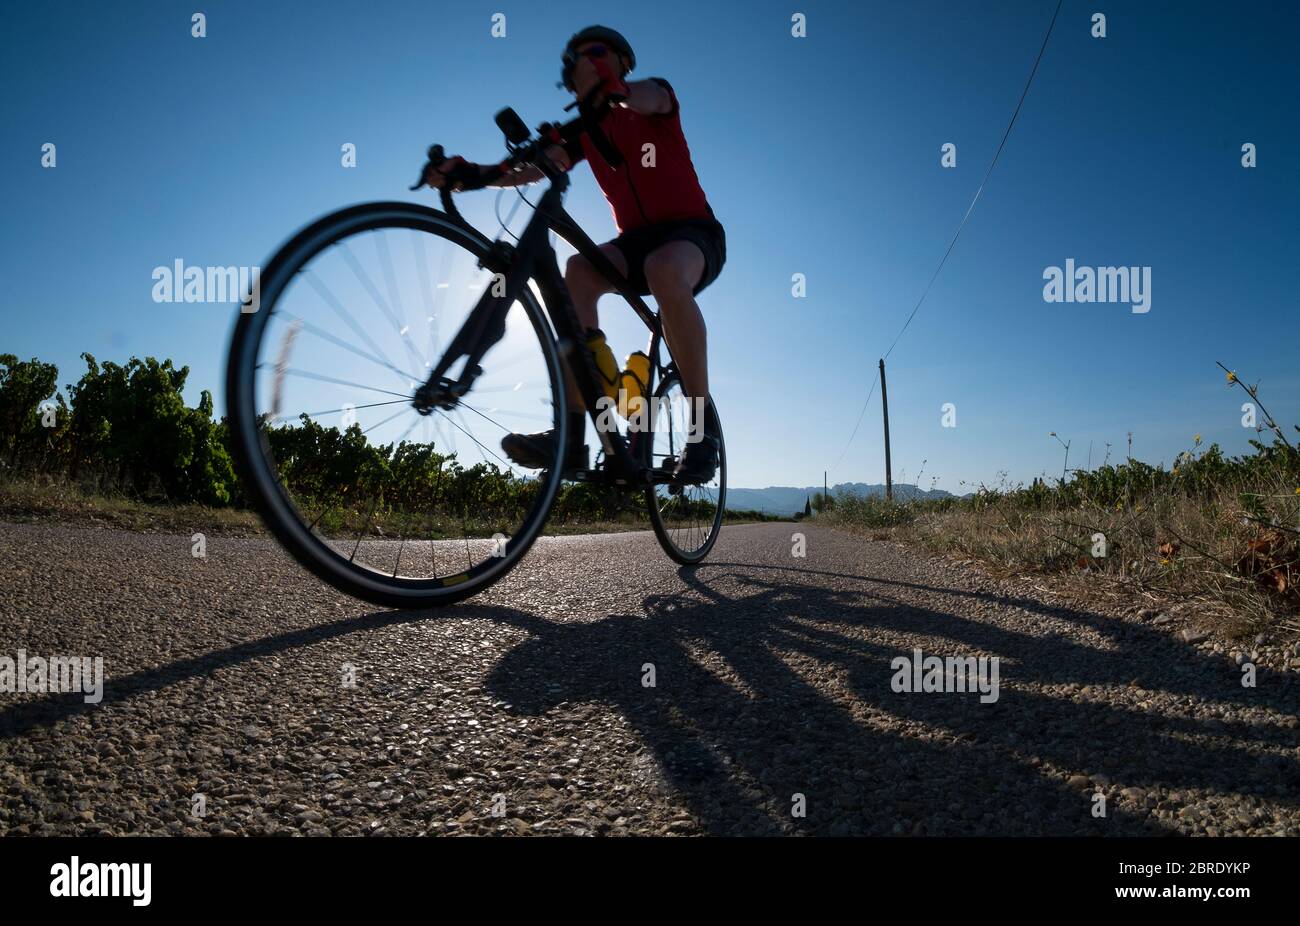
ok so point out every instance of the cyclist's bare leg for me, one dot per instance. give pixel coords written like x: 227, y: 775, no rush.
x: 672, y: 272
x: 586, y: 285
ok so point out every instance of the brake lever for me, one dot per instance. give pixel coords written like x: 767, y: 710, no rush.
x: 435, y: 156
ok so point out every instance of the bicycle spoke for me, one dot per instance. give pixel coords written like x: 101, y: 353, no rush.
x: 478, y: 389
x: 335, y: 411
x: 325, y: 335
x: 390, y: 278
x: 473, y: 438
x: 330, y: 506
x: 464, y: 529
x: 502, y: 366
x: 504, y: 411
x: 437, y: 490
x: 341, y: 382
x: 403, y: 334
x: 328, y: 296
x: 397, y: 564
x: 428, y: 293
x: 384, y: 422
x: 374, y: 503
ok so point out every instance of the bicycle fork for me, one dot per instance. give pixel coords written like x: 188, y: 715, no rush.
x: 534, y: 257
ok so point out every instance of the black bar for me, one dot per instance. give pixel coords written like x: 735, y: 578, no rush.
x: 926, y: 876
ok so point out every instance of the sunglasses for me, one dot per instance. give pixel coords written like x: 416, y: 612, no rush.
x: 594, y: 51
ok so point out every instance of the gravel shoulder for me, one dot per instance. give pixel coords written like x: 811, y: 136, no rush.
x: 526, y: 710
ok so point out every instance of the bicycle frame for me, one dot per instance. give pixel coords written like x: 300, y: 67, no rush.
x: 534, y: 258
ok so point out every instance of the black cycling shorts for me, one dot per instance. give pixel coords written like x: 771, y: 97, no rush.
x: 707, y: 234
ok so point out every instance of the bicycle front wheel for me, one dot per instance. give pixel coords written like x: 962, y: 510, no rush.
x: 388, y: 503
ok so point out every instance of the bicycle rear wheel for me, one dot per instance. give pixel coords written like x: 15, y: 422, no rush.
x: 386, y: 503
x: 686, y: 518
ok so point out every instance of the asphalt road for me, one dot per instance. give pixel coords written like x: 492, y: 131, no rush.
x: 528, y: 709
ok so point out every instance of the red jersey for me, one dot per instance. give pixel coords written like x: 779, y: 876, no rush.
x: 640, y: 195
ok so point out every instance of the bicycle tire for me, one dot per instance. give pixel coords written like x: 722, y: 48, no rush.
x: 251, y: 453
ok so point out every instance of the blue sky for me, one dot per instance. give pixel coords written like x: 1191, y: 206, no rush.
x: 820, y: 155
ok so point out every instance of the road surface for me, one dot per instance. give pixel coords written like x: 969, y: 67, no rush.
x: 602, y: 689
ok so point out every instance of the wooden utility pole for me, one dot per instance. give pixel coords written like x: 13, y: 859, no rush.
x: 884, y: 401
x: 825, y: 494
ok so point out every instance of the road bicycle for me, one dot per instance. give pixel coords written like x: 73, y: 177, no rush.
x: 394, y: 491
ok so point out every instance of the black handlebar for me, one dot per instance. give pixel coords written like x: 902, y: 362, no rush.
x: 467, y: 176
x: 464, y: 176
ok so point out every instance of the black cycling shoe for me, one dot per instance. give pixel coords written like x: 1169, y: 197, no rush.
x: 699, y: 461
x: 536, y: 451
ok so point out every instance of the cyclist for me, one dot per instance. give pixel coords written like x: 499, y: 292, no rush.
x: 669, y: 243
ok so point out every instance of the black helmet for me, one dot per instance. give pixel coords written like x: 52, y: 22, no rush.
x: 593, y: 34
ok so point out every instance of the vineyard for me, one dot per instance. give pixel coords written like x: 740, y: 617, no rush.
x: 125, y: 431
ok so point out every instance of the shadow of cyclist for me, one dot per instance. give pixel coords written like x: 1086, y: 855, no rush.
x: 762, y: 698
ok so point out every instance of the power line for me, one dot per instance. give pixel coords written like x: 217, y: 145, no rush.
x: 965, y: 218
x: 859, y: 424
x: 997, y: 154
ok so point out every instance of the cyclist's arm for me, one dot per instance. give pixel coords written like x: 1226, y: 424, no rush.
x: 518, y: 178
x: 563, y: 156
x: 650, y: 97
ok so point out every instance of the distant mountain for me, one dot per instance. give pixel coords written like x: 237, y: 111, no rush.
x: 789, y: 499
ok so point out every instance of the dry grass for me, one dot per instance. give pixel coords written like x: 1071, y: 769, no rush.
x: 43, y: 499
x: 1226, y: 551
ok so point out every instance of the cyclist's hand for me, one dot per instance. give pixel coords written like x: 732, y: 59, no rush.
x: 437, y: 177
